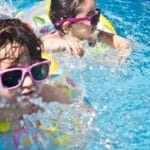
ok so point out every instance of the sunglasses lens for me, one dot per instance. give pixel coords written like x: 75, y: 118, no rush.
x: 11, y: 78
x: 40, y: 71
x: 95, y: 19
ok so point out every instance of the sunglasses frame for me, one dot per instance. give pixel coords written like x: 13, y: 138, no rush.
x: 24, y: 71
x: 74, y: 20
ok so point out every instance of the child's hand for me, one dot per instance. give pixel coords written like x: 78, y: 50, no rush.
x: 122, y: 45
x: 73, y: 45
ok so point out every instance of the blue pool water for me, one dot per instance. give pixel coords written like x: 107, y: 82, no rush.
x: 120, y: 92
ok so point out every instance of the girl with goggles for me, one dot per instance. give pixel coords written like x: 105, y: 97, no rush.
x: 22, y: 71
x: 76, y: 20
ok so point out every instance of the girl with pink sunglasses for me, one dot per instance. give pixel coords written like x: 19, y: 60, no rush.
x: 76, y: 20
x: 22, y: 72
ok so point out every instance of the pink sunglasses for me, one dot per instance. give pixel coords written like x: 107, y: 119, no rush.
x: 93, y: 19
x: 12, y: 78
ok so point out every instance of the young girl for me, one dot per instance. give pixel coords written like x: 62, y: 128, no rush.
x: 22, y: 71
x: 77, y: 20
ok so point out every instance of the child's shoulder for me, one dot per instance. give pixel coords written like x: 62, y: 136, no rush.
x: 51, y: 93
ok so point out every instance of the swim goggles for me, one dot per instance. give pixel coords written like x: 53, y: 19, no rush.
x: 93, y: 19
x: 13, y: 77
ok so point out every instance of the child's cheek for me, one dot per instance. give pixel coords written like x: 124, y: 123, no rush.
x: 39, y: 88
x: 6, y: 94
x: 81, y: 30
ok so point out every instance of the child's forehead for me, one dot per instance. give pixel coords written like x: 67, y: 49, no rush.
x: 11, y: 50
x: 12, y: 53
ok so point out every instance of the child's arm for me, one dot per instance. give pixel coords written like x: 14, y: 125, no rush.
x: 51, y: 94
x: 52, y: 42
x: 56, y: 42
x: 122, y: 45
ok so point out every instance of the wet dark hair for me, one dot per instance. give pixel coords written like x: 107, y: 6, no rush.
x: 64, y: 9
x: 15, y: 31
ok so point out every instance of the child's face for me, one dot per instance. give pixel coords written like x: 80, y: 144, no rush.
x: 83, y: 29
x: 28, y: 88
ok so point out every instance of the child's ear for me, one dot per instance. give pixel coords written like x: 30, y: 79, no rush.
x: 66, y: 26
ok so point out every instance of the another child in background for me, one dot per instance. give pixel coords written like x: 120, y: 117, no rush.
x: 76, y: 20
x: 22, y: 71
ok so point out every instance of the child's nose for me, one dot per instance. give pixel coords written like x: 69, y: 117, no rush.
x: 27, y: 81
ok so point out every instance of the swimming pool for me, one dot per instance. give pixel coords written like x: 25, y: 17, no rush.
x: 121, y: 92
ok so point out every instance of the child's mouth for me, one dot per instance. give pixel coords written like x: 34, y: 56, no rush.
x: 26, y: 96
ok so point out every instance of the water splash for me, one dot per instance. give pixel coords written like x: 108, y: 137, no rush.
x: 64, y: 125
x: 7, y: 10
